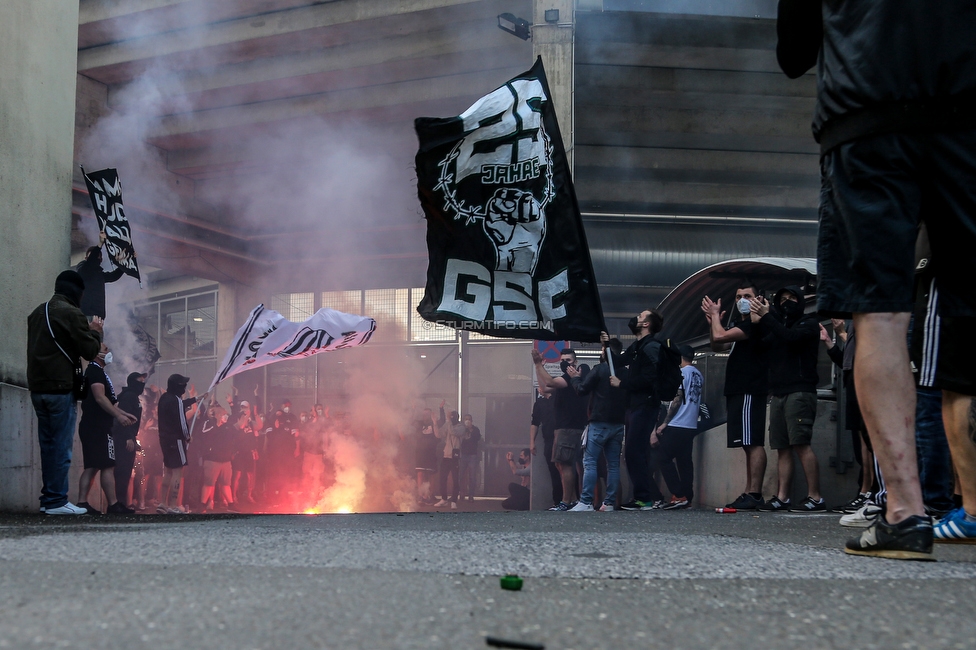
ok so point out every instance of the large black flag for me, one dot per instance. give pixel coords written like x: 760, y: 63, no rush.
x: 508, y: 255
x: 105, y: 192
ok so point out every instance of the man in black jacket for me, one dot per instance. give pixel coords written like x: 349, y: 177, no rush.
x: 90, y: 269
x: 174, y: 434
x: 643, y: 408
x: 896, y: 123
x: 605, y: 432
x: 51, y: 362
x: 793, y: 344
x: 125, y: 436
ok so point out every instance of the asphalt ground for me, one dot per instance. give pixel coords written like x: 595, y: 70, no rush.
x: 684, y: 579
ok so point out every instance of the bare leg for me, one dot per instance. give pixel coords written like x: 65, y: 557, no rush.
x: 755, y: 467
x: 107, y: 479
x: 85, y: 484
x: 235, y: 486
x: 163, y: 496
x: 959, y: 416
x: 784, y: 467
x: 811, y: 468
x: 886, y: 393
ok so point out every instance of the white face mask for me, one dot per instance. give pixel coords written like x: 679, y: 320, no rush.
x: 743, y: 305
x: 108, y: 358
x: 287, y: 409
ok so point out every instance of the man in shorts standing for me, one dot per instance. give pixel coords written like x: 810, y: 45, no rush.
x: 569, y: 420
x: 793, y: 341
x: 746, y: 385
x: 174, y: 433
x: 896, y: 123
x: 95, y: 432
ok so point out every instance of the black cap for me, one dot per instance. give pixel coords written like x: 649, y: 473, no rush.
x: 687, y: 352
x: 176, y: 383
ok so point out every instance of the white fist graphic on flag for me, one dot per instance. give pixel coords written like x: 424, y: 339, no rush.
x: 516, y: 226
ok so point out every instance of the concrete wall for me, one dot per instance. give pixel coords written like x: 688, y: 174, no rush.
x: 38, y: 54
x: 720, y: 472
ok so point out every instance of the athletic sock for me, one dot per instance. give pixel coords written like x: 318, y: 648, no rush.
x: 970, y: 518
x: 756, y: 495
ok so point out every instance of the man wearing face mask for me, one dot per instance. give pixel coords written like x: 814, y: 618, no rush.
x: 174, y: 434
x: 641, y: 359
x: 98, y: 411
x: 125, y: 436
x: 518, y: 498
x: 794, y: 345
x: 90, y: 269
x: 746, y: 386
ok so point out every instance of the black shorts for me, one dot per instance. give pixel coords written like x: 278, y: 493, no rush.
x: 97, y: 449
x: 948, y: 356
x: 174, y: 453
x: 746, y: 425
x: 874, y: 192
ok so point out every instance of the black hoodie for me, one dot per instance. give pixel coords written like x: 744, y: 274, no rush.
x: 793, y: 346
x: 129, y: 402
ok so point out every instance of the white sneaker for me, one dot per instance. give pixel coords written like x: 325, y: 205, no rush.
x: 581, y: 507
x: 862, y: 518
x: 440, y: 504
x: 606, y: 507
x: 453, y: 505
x: 67, y: 509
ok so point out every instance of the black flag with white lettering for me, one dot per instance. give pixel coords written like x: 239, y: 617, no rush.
x: 507, y: 250
x: 105, y: 192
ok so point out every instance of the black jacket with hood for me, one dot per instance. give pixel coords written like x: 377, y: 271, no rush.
x: 49, y: 371
x: 793, y: 345
x: 883, y: 66
x: 129, y: 402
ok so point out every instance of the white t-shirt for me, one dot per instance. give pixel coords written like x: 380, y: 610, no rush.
x: 687, y: 415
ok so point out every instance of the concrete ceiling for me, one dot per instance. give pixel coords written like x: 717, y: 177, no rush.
x: 216, y: 112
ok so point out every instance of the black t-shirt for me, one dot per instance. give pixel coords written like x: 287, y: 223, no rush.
x: 747, y: 371
x: 222, y: 442
x: 542, y: 417
x: 93, y: 416
x: 569, y: 408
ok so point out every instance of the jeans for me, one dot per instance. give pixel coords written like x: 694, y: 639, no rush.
x: 672, y: 457
x: 932, y: 448
x: 56, y: 436
x: 606, y: 438
x: 469, y: 470
x: 641, y: 421
x: 450, y: 466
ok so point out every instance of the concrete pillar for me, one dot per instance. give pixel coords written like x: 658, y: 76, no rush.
x: 38, y: 57
x: 228, y: 322
x: 553, y: 41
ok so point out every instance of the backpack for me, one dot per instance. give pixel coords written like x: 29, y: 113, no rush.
x: 669, y: 378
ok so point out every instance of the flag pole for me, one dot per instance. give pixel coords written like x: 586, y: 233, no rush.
x: 193, y: 423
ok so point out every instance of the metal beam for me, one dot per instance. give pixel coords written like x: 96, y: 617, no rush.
x: 387, y: 95
x: 473, y: 37
x: 279, y: 23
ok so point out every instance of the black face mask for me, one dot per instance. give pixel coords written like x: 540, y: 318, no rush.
x: 791, y: 309
x: 634, y: 327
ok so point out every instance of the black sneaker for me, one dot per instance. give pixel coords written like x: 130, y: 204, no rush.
x: 854, y: 504
x: 809, y: 505
x: 909, y: 540
x: 634, y: 504
x: 87, y: 506
x: 775, y: 505
x: 746, y: 502
x: 118, y: 508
